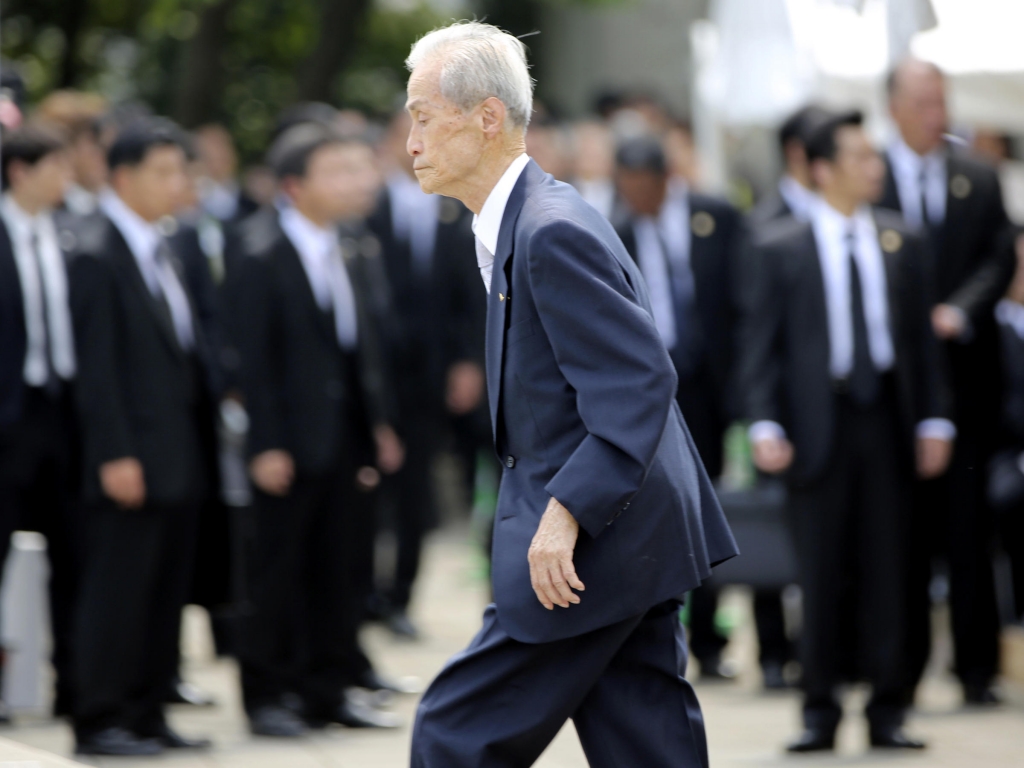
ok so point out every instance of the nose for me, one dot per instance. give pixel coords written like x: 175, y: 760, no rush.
x: 413, y: 145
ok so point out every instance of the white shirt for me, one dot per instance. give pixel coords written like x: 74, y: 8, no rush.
x: 320, y: 254
x: 1011, y: 314
x: 414, y: 216
x: 151, y: 254
x: 21, y: 227
x: 799, y: 198
x: 909, y: 168
x: 487, y: 225
x: 831, y: 230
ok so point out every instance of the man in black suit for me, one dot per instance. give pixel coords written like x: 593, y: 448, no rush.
x: 686, y: 245
x: 956, y: 204
x: 793, y: 196
x: 143, y: 402
x: 843, y: 383
x: 37, y: 368
x: 315, y: 392
x: 434, y: 339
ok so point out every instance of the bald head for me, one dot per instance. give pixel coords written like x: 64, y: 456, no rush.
x: 917, y: 102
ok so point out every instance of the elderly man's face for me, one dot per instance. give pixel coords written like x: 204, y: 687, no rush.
x: 446, y: 143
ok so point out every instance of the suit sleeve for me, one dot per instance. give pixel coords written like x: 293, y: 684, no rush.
x: 607, y: 348
x: 376, y: 376
x: 933, y: 398
x: 760, y: 329
x: 106, y: 433
x: 259, y: 345
x: 978, y: 294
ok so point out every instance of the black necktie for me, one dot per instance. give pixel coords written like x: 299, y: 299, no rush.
x: 923, y: 184
x: 863, y: 382
x: 52, y: 383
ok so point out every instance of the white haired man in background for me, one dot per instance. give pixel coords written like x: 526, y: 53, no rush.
x: 602, y: 483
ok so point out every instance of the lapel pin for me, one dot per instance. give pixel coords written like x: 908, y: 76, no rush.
x: 960, y: 186
x: 890, y: 240
x: 501, y: 297
x: 702, y: 224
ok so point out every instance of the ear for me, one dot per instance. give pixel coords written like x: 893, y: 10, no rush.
x: 492, y: 114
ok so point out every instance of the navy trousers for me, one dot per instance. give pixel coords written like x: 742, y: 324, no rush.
x: 500, y: 702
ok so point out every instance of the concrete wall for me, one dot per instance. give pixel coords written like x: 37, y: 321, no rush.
x: 640, y: 44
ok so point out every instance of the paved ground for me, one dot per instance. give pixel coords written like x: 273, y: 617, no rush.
x: 745, y: 728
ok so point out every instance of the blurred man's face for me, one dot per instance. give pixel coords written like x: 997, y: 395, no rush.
x: 446, y: 143
x: 44, y: 183
x: 89, y: 162
x: 217, y: 151
x: 595, y: 153
x: 155, y: 187
x: 857, y: 172
x: 547, y: 148
x: 643, y: 191
x: 341, y: 182
x: 918, y: 106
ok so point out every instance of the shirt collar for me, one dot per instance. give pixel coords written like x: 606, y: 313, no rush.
x: 16, y: 215
x: 309, y: 238
x: 487, y: 225
x: 837, y: 226
x: 798, y: 197
x: 907, y: 161
x: 143, y: 238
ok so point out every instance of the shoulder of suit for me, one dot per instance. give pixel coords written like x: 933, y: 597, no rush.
x: 889, y: 219
x: 260, y: 233
x: 84, y: 235
x: 717, y: 206
x: 781, y: 231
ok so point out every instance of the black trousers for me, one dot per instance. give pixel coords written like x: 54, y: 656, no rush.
x: 412, y: 490
x: 37, y: 493
x: 851, y: 527
x: 302, y: 637
x: 138, y: 568
x: 500, y: 702
x: 953, y: 523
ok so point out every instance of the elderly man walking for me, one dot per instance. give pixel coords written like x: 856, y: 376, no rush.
x: 602, y: 486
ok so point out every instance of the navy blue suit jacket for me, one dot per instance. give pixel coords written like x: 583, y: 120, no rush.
x: 582, y: 396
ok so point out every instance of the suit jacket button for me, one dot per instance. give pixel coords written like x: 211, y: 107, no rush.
x: 510, y: 462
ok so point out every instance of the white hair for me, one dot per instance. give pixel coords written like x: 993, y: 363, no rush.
x: 479, y: 61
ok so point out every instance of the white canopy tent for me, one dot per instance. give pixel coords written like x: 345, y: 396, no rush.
x: 758, y: 60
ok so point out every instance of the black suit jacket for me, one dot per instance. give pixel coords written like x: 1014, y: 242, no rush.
x: 970, y: 271
x: 436, y: 319
x: 786, y: 350
x: 714, y: 260
x: 301, y: 389
x: 138, y: 394
x: 771, y: 207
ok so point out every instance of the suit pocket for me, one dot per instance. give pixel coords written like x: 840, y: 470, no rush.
x: 520, y: 331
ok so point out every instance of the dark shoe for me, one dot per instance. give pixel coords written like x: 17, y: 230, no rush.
x: 372, y: 680
x: 118, y: 741
x: 278, y: 722
x: 714, y: 669
x: 894, y: 738
x: 171, y: 739
x: 355, y: 714
x: 401, y: 626
x: 193, y: 696
x: 773, y: 676
x: 981, y: 696
x: 813, y: 740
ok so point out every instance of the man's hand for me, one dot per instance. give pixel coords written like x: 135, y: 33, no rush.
x: 465, y: 388
x: 551, y: 570
x: 273, y: 472
x: 948, y: 321
x: 773, y: 455
x: 123, y: 482
x: 933, y: 457
x: 390, y: 451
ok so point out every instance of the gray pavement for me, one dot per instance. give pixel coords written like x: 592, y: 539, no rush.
x: 745, y: 727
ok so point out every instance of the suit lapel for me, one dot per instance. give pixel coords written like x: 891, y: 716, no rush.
x: 125, y: 261
x: 498, y: 300
x: 292, y: 264
x: 890, y: 194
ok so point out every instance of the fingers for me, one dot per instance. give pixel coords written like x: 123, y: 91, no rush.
x: 553, y: 582
x: 539, y: 588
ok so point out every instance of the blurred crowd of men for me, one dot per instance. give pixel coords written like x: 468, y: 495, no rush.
x: 217, y: 388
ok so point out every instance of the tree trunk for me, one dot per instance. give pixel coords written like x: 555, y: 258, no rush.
x: 199, y: 70
x: 339, y: 22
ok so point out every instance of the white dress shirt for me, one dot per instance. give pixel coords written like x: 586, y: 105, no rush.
x: 21, y: 227
x: 487, y: 225
x: 832, y: 234
x: 910, y: 170
x: 414, y: 217
x: 799, y: 198
x: 152, y: 256
x: 320, y: 254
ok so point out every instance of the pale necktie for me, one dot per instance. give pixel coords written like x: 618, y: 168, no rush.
x: 485, y: 260
x: 343, y: 300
